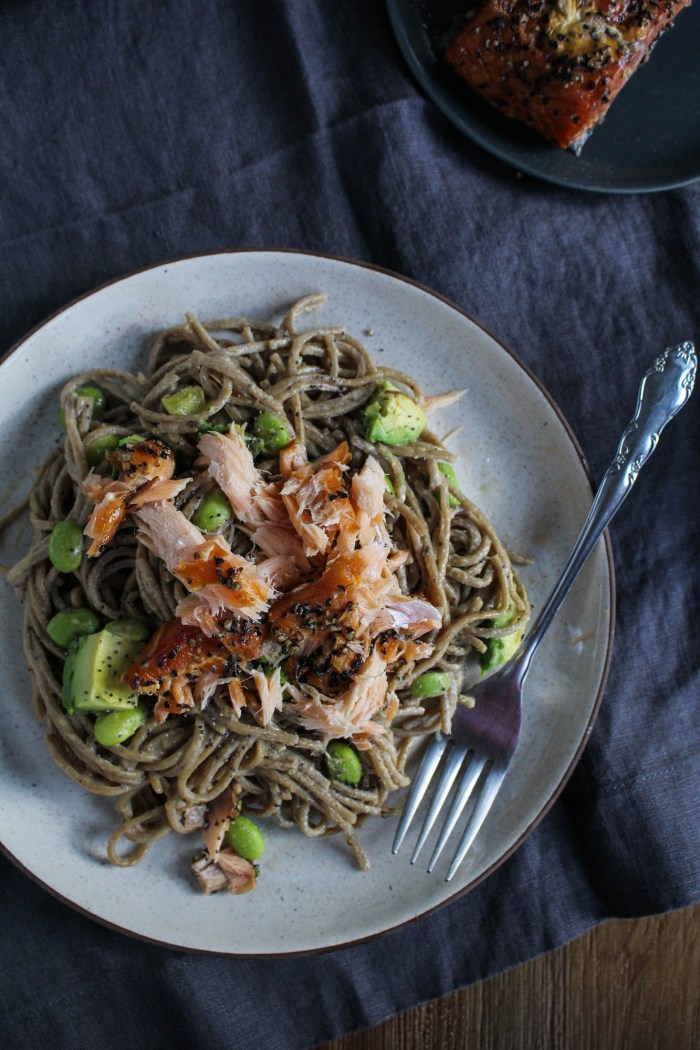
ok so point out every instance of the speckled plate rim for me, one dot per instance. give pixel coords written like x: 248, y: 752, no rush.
x: 587, y: 728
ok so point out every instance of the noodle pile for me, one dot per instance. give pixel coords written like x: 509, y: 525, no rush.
x: 318, y: 381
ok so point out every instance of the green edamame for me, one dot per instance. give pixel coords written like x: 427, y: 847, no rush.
x: 97, y: 395
x: 343, y: 763
x: 97, y: 446
x: 213, y: 512
x: 132, y: 630
x: 449, y: 471
x: 245, y: 838
x: 432, y: 683
x: 255, y: 444
x: 131, y: 439
x: 66, y: 546
x: 272, y: 432
x: 205, y: 427
x: 185, y: 402
x: 501, y: 648
x: 72, y: 623
x: 114, y: 727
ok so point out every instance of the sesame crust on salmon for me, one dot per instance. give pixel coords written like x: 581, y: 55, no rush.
x: 557, y: 65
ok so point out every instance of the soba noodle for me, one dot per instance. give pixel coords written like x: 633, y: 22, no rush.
x: 317, y: 380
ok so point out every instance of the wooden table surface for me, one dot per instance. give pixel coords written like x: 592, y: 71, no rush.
x: 629, y: 984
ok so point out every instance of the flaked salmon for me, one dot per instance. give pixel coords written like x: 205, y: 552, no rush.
x: 348, y: 715
x: 220, y: 582
x: 230, y: 463
x: 220, y: 812
x: 269, y: 690
x: 341, y: 623
x: 367, y: 499
x: 229, y: 872
x: 182, y: 666
x: 145, y: 475
x: 316, y: 498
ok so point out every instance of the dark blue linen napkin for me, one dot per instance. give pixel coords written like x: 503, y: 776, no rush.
x: 134, y: 132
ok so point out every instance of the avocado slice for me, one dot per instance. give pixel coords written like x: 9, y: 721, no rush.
x: 393, y: 418
x: 498, y: 650
x: 93, y: 669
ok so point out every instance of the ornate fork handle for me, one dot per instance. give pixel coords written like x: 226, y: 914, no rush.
x: 664, y: 389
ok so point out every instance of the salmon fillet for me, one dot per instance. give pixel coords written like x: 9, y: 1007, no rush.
x: 557, y: 65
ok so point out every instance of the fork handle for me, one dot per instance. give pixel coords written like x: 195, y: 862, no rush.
x: 664, y: 389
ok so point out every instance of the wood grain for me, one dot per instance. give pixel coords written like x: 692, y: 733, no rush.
x: 626, y: 985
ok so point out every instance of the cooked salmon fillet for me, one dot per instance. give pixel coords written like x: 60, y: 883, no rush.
x: 557, y: 65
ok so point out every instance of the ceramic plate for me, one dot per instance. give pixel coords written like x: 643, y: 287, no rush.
x: 518, y: 461
x: 650, y: 139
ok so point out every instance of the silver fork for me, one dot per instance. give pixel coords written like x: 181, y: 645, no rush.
x: 483, y: 738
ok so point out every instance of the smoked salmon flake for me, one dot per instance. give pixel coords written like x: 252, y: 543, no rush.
x: 318, y: 593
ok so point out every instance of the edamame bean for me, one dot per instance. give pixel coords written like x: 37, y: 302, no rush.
x: 245, y: 838
x: 72, y: 623
x: 255, y: 444
x: 501, y: 648
x: 133, y: 630
x: 96, y: 448
x: 449, y: 471
x: 66, y: 546
x: 205, y: 427
x: 432, y: 683
x: 185, y: 402
x: 114, y: 727
x: 272, y: 432
x: 343, y: 763
x: 213, y: 512
x: 97, y: 395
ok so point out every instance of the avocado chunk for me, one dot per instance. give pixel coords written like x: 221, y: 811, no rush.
x: 393, y: 418
x: 93, y: 669
x: 498, y: 650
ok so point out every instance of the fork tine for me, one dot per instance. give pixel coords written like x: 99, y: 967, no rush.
x: 489, y: 790
x: 454, y: 760
x: 420, y: 783
x: 467, y: 784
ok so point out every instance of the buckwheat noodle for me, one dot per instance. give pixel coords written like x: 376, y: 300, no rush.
x: 318, y: 380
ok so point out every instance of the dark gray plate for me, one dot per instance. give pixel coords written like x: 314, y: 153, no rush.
x: 650, y: 139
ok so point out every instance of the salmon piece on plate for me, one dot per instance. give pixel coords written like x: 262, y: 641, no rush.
x: 557, y: 65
